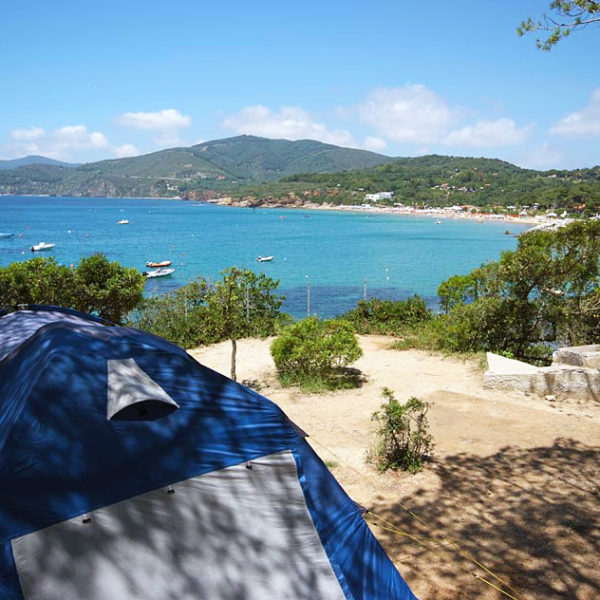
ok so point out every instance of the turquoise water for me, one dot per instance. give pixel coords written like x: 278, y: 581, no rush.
x: 339, y: 254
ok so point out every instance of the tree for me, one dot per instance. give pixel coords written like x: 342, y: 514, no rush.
x: 106, y: 288
x: 568, y: 16
x: 36, y: 281
x: 547, y: 290
x: 94, y: 286
x: 240, y: 304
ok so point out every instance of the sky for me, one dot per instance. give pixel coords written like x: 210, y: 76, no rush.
x: 84, y: 81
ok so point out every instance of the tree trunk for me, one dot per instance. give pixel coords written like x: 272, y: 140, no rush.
x: 233, y: 357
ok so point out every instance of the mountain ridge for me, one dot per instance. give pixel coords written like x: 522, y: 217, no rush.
x: 254, y: 171
x: 235, y: 160
x: 31, y: 159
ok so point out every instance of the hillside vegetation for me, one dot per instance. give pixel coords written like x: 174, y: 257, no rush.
x: 263, y: 171
x: 220, y: 165
x: 445, y: 180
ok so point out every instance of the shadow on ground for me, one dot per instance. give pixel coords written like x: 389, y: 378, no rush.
x: 532, y: 516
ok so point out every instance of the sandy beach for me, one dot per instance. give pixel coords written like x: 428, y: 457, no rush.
x: 437, y: 213
x: 513, y: 487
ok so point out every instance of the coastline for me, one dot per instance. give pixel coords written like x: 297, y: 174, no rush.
x: 533, y: 222
x: 437, y: 213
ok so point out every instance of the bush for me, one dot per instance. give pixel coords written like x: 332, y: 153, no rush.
x: 387, y: 316
x: 178, y: 316
x: 422, y: 336
x: 403, y: 440
x: 95, y: 286
x: 241, y: 304
x: 315, y: 353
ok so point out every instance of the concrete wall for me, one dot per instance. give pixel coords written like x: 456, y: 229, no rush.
x: 557, y: 380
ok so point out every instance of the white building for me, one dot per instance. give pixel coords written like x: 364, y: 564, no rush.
x: 379, y: 196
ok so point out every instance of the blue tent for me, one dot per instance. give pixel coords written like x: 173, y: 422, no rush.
x: 130, y: 471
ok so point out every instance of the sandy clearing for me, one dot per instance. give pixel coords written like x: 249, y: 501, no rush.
x: 515, y: 480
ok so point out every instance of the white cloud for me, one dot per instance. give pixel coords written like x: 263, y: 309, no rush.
x: 55, y: 144
x: 411, y: 113
x: 125, y: 150
x: 27, y: 134
x: 71, y: 142
x: 544, y: 156
x: 485, y: 133
x: 168, y: 119
x: 374, y: 143
x: 422, y: 151
x: 581, y: 123
x: 170, y: 139
x: 291, y: 122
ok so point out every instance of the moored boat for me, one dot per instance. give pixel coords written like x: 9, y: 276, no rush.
x: 264, y: 259
x: 5, y: 236
x: 158, y: 273
x: 42, y: 246
x: 157, y: 265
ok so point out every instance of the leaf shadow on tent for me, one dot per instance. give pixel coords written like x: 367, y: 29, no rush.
x: 187, y: 551
x: 75, y: 455
x: 529, y: 515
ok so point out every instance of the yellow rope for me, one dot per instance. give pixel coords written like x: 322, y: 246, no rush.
x: 393, y: 529
x: 497, y: 588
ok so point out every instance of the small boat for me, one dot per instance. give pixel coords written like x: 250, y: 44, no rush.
x: 42, y: 246
x: 264, y: 259
x: 5, y: 236
x: 158, y: 273
x: 123, y: 222
x: 158, y: 265
x: 438, y: 222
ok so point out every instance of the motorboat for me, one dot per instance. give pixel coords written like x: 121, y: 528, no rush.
x: 42, y: 246
x: 158, y: 265
x: 158, y: 273
x: 264, y: 259
x: 123, y: 222
x: 5, y: 236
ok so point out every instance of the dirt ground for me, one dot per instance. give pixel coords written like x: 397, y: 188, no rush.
x: 514, y: 487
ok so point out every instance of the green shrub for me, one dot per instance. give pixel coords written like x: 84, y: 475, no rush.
x: 315, y: 354
x: 95, y: 285
x: 240, y: 304
x: 403, y: 440
x: 179, y: 316
x: 387, y: 316
x: 421, y: 336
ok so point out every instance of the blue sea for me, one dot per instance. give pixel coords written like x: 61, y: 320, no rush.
x: 325, y: 260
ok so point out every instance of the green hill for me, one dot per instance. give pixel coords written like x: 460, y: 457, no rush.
x: 264, y: 171
x: 250, y: 158
x: 444, y: 180
x: 177, y: 171
x: 30, y: 160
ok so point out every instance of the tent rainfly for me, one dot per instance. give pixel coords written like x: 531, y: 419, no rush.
x: 128, y: 471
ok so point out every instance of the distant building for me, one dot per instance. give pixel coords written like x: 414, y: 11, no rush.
x: 379, y: 196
